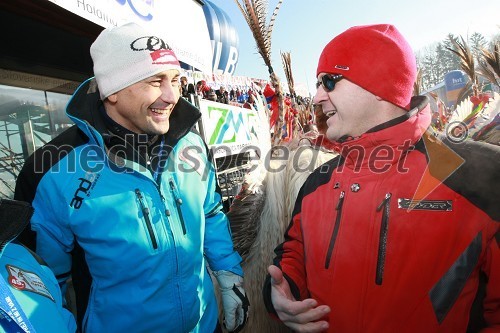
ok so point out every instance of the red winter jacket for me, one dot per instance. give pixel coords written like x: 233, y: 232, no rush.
x: 399, y: 234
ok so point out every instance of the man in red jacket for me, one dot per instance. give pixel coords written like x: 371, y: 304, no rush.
x: 400, y: 233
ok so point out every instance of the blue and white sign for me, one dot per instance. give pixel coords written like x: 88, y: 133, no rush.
x: 454, y: 82
x: 224, y: 39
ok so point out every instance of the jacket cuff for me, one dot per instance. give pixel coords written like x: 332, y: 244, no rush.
x: 230, y: 263
x: 266, y: 294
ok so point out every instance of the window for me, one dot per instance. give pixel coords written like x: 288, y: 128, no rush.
x: 32, y: 112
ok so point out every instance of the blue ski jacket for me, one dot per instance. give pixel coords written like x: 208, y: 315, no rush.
x: 147, y: 236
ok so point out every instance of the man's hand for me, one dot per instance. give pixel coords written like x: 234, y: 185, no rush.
x: 300, y: 316
x: 234, y: 300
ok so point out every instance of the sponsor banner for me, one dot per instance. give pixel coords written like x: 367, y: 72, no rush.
x: 454, y: 81
x: 189, y: 38
x: 228, y: 129
x: 216, y: 81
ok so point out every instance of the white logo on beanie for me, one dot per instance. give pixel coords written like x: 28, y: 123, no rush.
x: 127, y: 54
x: 342, y: 67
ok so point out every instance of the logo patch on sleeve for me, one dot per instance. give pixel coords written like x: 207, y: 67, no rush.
x: 27, y: 281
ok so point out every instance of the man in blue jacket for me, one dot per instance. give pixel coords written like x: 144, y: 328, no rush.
x: 129, y: 197
x: 30, y: 298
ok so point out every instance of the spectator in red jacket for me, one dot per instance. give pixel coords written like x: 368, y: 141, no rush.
x: 401, y: 232
x: 202, y: 89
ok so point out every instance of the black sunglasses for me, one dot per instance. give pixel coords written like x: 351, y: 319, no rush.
x: 329, y: 81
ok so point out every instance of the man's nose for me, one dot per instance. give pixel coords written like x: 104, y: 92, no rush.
x: 320, y: 95
x: 168, y: 94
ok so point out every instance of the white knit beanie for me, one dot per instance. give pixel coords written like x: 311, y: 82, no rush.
x: 127, y: 54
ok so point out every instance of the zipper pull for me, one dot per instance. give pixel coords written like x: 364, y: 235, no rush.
x: 144, y: 209
x: 386, y: 199
x: 178, y: 203
x: 147, y: 220
x: 341, y: 200
x: 172, y: 186
x: 161, y: 194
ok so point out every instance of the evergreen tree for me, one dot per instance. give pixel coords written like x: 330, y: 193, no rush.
x: 431, y: 75
x: 426, y: 61
x: 445, y: 59
x: 477, y: 42
x: 494, y: 40
x: 436, y: 60
x: 450, y: 60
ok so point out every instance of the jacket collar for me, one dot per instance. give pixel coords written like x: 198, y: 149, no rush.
x: 387, y: 142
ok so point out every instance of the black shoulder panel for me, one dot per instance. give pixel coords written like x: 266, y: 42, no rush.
x: 43, y: 159
x: 478, y: 178
x: 320, y: 176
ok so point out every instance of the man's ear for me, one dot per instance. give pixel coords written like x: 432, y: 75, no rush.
x: 113, y: 98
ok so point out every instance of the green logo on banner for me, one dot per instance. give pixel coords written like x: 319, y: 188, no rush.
x: 229, y: 120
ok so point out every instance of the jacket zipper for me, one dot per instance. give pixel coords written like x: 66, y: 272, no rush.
x: 178, y: 203
x: 335, y: 229
x: 90, y: 302
x: 147, y: 220
x: 382, y: 243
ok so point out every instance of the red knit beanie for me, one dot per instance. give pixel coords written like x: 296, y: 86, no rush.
x: 375, y: 57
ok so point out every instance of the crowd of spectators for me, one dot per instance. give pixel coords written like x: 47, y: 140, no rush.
x: 222, y: 95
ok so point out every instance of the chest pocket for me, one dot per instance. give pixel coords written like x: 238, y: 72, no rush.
x: 154, y: 224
